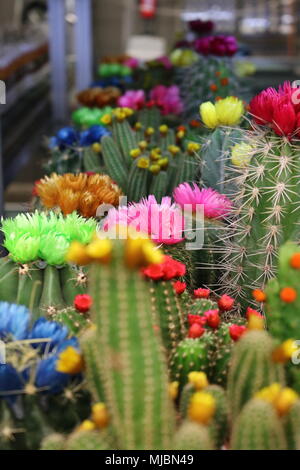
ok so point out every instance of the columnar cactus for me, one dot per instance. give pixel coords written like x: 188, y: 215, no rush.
x: 291, y: 426
x: 192, y: 436
x: 258, y: 428
x: 251, y: 368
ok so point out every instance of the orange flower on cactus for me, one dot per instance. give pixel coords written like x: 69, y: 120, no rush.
x: 288, y: 294
x: 83, y: 192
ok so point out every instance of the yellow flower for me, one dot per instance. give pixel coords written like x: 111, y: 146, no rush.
x: 285, y: 401
x: 77, y: 254
x: 106, y: 119
x: 193, y: 147
x: 180, y: 134
x: 149, y: 131
x: 134, y: 153
x: 163, y: 163
x: 154, y: 155
x: 128, y: 112
x: 143, y: 144
x: 269, y: 393
x: 241, y: 154
x: 155, y: 169
x: 163, y: 129
x: 151, y: 253
x: 174, y: 149
x: 143, y: 162
x: 69, y: 361
x: 255, y: 323
x: 96, y: 147
x: 284, y: 352
x: 138, y: 126
x: 87, y: 425
x: 208, y: 114
x: 141, y: 251
x: 229, y: 111
x: 202, y: 407
x: 100, y: 415
x: 120, y: 114
x: 100, y: 250
x: 198, y: 379
x: 173, y: 390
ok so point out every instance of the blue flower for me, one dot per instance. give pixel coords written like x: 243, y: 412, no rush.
x: 44, y: 329
x: 67, y: 136
x: 92, y: 135
x: 48, y: 377
x: 14, y: 321
x: 68, y: 342
x: 10, y: 381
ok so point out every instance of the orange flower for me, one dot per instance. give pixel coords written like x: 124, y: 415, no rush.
x: 295, y: 261
x: 213, y: 87
x: 259, y: 295
x: 288, y: 294
x: 224, y: 81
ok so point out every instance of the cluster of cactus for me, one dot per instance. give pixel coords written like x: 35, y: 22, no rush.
x: 41, y: 385
x: 266, y: 214
x: 146, y: 160
x: 205, y: 80
x: 35, y: 273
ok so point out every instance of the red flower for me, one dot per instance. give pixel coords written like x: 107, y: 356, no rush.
x: 90, y: 173
x: 262, y: 106
x: 201, y: 293
x: 196, y: 319
x: 284, y: 119
x: 179, y: 287
x: 154, y: 271
x: 83, y: 302
x: 195, y: 331
x: 225, y: 303
x: 168, y: 269
x: 213, y: 318
x: 251, y: 311
x: 236, y: 331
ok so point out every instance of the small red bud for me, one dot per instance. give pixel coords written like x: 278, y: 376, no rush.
x: 225, y: 303
x: 195, y: 331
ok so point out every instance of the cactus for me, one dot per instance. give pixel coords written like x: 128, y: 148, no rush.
x: 258, y: 428
x: 87, y: 440
x: 53, y: 442
x: 191, y: 355
x: 134, y: 372
x: 223, y: 347
x: 219, y: 425
x: 192, y: 436
x: 251, y: 368
x: 291, y: 426
x: 267, y: 213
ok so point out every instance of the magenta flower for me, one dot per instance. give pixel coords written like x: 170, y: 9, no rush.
x: 167, y: 99
x: 201, y: 27
x: 164, y: 222
x: 216, y: 45
x: 131, y: 62
x: 215, y: 205
x: 132, y: 99
x: 165, y: 62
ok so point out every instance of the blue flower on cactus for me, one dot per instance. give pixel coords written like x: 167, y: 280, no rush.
x: 68, y: 342
x: 14, y: 321
x: 92, y: 135
x: 51, y: 330
x: 10, y: 381
x: 48, y: 378
x: 53, y: 142
x: 67, y: 136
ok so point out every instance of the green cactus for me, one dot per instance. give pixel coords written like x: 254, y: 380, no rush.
x: 267, y: 214
x: 53, y: 442
x: 258, y: 428
x: 75, y: 321
x: 192, y: 436
x: 64, y: 161
x: 223, y: 347
x: 291, y: 426
x: 87, y: 440
x: 191, y: 355
x: 8, y: 279
x: 200, y: 306
x: 251, y: 368
x: 134, y: 373
x: 91, y: 161
x: 219, y: 425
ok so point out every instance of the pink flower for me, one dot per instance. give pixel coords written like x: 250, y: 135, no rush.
x: 131, y: 62
x: 215, y: 205
x: 165, y: 61
x: 132, y: 99
x: 164, y: 222
x: 216, y: 45
x: 262, y: 105
x: 167, y: 99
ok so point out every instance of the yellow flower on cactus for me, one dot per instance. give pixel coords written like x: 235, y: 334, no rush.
x: 208, y: 114
x: 193, y: 147
x: 70, y: 361
x: 106, y: 119
x: 173, y: 389
x: 241, y: 154
x: 229, y: 111
x: 285, y: 401
x: 163, y: 129
x: 100, y: 250
x: 255, y: 323
x: 77, y: 254
x: 100, y: 415
x: 87, y: 425
x: 134, y: 153
x: 202, y: 407
x: 143, y: 163
x: 284, y: 352
x: 96, y: 147
x: 173, y: 149
x: 269, y: 393
x: 141, y: 251
x: 149, y: 131
x: 198, y: 380
x: 143, y: 144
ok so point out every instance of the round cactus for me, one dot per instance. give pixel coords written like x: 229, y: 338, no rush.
x: 53, y: 442
x: 291, y: 426
x: 192, y: 436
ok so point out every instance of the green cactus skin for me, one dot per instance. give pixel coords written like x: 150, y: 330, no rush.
x: 126, y: 138
x: 8, y: 279
x: 137, y: 182
x: 185, y: 397
x: 200, y: 306
x: 73, y: 282
x: 53, y: 442
x: 251, y: 369
x: 88, y: 341
x: 158, y: 185
x: 168, y: 314
x: 191, y: 355
x: 87, y: 440
x: 267, y: 214
x: 258, y: 428
x: 179, y: 253
x: 187, y: 169
x: 219, y: 425
x: 192, y: 436
x: 223, y: 347
x: 134, y: 372
x: 291, y: 427
x: 282, y: 317
x: 64, y: 161
x: 114, y: 162
x: 29, y: 286
x: 75, y: 322
x: 150, y: 117
x: 51, y: 298
x: 91, y: 161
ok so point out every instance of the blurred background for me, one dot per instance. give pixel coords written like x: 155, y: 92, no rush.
x: 51, y: 49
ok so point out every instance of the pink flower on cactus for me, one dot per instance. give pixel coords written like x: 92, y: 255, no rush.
x: 131, y: 62
x: 167, y: 99
x: 216, y: 45
x: 164, y: 222
x: 132, y: 99
x: 215, y: 205
x: 165, y: 61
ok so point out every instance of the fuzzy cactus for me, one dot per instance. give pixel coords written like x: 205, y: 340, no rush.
x: 192, y: 436
x: 53, y: 442
x: 258, y: 428
x: 87, y: 440
x: 291, y: 426
x: 251, y: 368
